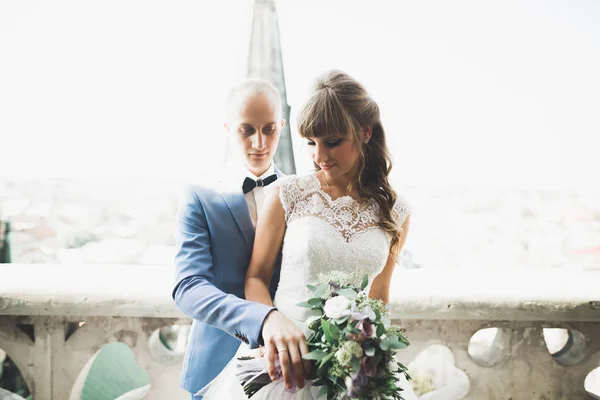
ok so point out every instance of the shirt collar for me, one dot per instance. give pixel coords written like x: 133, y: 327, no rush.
x: 270, y: 171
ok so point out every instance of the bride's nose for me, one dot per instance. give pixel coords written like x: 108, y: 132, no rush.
x: 321, y: 154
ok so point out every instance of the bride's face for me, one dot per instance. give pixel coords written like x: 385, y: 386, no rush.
x: 337, y: 156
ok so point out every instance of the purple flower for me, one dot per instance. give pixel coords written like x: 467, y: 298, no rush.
x: 355, y: 314
x: 334, y: 286
x: 366, y: 327
x: 369, y: 312
x: 356, y: 384
x: 368, y: 366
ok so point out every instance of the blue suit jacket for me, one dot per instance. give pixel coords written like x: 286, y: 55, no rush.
x: 214, y: 244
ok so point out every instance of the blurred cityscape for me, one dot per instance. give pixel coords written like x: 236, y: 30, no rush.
x: 133, y: 222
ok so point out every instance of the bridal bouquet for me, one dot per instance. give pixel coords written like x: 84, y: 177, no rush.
x: 352, y: 343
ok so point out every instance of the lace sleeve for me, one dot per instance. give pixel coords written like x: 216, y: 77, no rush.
x: 287, y: 195
x: 402, y: 210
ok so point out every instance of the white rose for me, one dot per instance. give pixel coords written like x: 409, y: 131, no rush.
x: 343, y: 356
x: 335, y: 307
x: 353, y: 348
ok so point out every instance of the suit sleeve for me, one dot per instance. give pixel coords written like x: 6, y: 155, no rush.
x: 195, y: 293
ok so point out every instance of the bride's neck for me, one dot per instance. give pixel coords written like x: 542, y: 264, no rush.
x: 339, y: 187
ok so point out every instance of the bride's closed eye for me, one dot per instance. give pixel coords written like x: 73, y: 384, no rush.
x: 330, y: 144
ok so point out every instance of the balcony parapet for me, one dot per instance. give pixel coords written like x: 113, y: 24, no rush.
x: 128, y: 303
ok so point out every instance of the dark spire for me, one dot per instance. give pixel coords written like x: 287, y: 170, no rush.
x: 265, y: 61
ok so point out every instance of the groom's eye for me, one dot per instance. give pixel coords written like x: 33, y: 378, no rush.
x: 269, y: 129
x: 247, y: 130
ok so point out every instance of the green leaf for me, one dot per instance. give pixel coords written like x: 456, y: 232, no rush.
x: 347, y: 293
x: 404, y: 340
x: 316, y: 355
x: 401, y: 366
x: 322, y: 369
x: 370, y: 351
x: 322, y: 392
x: 318, y: 382
x: 377, y: 314
x: 326, y: 325
x: 312, y: 288
x: 397, y: 345
x: 327, y: 358
x: 385, y: 344
x: 304, y: 304
x: 380, y: 330
x: 320, y: 291
x: 355, y: 364
x: 340, y: 321
x: 335, y: 331
x: 365, y: 282
x: 378, y: 357
x: 315, y: 302
x: 350, y: 329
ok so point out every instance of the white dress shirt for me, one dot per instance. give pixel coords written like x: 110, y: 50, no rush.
x: 256, y: 197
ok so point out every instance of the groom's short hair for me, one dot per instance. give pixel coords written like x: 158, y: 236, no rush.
x: 251, y: 87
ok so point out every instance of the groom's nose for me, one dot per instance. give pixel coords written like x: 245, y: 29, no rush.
x: 259, y: 141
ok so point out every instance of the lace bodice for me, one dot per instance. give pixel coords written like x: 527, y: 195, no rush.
x: 326, y: 235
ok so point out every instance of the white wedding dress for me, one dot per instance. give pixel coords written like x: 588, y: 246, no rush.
x: 322, y: 235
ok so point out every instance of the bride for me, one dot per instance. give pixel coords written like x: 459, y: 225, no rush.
x: 344, y: 217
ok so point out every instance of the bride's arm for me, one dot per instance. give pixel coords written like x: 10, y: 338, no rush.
x: 380, y: 289
x: 270, y: 229
x: 281, y: 337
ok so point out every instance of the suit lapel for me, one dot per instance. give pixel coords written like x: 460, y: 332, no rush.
x: 231, y: 192
x: 235, y: 200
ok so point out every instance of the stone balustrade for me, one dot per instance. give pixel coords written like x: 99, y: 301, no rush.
x: 54, y: 318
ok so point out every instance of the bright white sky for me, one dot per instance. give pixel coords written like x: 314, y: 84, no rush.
x: 498, y: 92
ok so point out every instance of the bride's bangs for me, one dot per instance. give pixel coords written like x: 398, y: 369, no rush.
x: 324, y: 116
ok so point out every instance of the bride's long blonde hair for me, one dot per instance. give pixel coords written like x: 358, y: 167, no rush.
x: 339, y: 105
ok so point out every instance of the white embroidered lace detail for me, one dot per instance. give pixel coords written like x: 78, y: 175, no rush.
x: 324, y: 235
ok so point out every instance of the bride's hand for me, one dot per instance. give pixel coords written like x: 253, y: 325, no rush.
x: 283, y: 339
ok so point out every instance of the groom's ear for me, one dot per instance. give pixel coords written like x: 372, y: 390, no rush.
x: 282, y: 123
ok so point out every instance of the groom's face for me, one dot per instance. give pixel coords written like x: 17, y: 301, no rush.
x: 255, y: 120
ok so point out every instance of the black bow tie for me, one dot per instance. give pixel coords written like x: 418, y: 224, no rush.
x: 250, y: 183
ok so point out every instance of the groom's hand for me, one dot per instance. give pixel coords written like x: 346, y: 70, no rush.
x: 284, y: 340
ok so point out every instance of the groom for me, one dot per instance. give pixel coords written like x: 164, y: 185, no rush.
x: 214, y: 244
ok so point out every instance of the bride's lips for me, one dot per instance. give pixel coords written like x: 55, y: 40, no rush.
x: 325, y: 167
